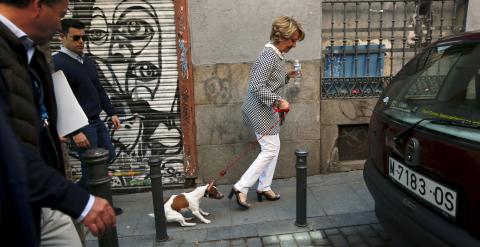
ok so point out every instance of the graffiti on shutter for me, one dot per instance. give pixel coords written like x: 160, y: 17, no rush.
x: 133, y: 44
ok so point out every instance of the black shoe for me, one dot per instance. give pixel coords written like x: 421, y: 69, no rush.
x: 118, y: 211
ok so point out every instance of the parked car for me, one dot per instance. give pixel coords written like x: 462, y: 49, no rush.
x: 423, y: 167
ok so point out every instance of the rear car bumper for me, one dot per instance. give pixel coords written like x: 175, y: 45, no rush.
x: 407, y: 221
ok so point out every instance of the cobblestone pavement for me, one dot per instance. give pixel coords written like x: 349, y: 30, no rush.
x: 355, y: 236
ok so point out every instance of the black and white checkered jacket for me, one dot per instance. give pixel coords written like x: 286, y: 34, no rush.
x: 266, y: 81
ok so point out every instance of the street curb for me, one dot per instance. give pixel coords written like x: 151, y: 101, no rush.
x: 271, y: 228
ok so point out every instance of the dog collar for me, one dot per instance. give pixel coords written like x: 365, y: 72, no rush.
x: 206, y: 193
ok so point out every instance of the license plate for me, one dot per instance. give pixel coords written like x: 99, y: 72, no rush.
x: 431, y: 191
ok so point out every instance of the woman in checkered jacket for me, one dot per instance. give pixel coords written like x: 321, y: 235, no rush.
x: 267, y: 79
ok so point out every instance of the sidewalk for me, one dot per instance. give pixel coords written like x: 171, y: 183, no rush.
x: 339, y: 213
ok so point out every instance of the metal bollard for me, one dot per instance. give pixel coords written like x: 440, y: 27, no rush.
x: 99, y: 185
x: 157, y: 195
x: 301, y: 167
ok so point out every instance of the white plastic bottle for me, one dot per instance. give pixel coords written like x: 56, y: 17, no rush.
x: 298, y: 68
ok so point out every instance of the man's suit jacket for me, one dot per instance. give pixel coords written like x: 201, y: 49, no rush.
x: 16, y: 221
x: 42, y: 154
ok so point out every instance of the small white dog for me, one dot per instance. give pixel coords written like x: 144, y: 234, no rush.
x: 191, y: 200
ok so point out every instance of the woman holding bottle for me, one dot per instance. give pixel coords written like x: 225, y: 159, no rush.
x: 263, y: 94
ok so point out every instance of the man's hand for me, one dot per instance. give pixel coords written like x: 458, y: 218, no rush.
x: 100, y: 218
x: 116, y: 122
x: 63, y: 139
x: 81, y: 140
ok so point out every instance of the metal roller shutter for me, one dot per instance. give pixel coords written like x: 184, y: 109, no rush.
x: 133, y: 43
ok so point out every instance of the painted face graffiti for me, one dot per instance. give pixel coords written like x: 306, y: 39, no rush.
x: 126, y: 39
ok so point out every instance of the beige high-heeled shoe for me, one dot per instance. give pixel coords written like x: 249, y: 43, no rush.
x: 242, y: 202
x: 269, y: 194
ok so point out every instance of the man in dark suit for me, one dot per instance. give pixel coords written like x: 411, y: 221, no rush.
x: 31, y: 111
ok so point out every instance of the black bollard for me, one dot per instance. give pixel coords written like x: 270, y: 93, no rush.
x: 157, y: 195
x: 301, y: 167
x: 99, y: 185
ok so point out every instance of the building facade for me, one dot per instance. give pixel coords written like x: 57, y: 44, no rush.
x: 178, y: 71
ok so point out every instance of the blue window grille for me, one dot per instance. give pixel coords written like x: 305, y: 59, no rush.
x: 354, y: 71
x: 348, y: 61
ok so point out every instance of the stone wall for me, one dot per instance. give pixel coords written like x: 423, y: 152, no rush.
x: 337, y: 112
x: 222, y: 137
x: 473, y: 15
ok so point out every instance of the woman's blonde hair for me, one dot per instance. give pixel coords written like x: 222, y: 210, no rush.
x: 283, y: 27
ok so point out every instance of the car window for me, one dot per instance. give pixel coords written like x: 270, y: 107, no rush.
x: 441, y: 83
x: 472, y: 88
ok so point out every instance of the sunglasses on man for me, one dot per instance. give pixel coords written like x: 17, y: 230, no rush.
x: 77, y: 37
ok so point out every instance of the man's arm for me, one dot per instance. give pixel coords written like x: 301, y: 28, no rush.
x: 105, y: 101
x: 51, y: 189
x: 48, y: 188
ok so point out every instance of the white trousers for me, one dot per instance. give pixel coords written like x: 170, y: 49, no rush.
x: 263, y: 167
x: 58, y: 230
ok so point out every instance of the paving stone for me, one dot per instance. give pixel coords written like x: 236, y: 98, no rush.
x: 354, y: 239
x: 198, y: 235
x: 375, y: 241
x: 366, y: 231
x: 318, y: 239
x: 238, y: 242
x: 316, y: 235
x: 338, y: 240
x: 162, y: 244
x: 321, y: 242
x: 270, y: 240
x: 377, y: 227
x: 287, y: 240
x: 231, y: 232
x: 254, y: 242
x: 384, y: 236
x: 281, y: 227
x: 360, y: 245
x: 184, y: 245
x: 209, y: 244
x: 272, y: 245
x: 332, y: 231
x: 222, y: 243
x: 348, y: 230
x: 302, y: 238
x: 352, y: 219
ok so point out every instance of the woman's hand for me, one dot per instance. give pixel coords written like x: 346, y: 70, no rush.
x: 293, y: 74
x: 283, y: 104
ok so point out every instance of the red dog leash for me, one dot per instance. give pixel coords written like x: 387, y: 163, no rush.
x: 249, y: 147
